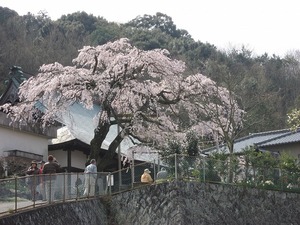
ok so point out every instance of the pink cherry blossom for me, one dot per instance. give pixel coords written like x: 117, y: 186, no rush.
x: 146, y: 92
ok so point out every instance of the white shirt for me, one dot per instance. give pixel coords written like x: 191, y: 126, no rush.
x: 92, y: 168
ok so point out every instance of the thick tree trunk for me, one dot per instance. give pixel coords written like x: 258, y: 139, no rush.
x: 100, y: 135
x: 107, y: 158
x: 96, y: 142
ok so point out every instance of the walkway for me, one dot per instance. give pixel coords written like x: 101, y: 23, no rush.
x: 9, y: 207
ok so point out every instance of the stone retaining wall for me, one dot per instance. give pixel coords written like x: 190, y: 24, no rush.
x: 86, y: 212
x: 176, y: 203
x: 191, y: 203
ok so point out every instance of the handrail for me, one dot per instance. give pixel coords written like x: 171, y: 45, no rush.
x: 16, y: 193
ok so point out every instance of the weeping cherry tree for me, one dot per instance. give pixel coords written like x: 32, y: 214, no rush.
x: 146, y: 93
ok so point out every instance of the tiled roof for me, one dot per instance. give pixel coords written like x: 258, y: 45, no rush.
x: 261, y: 139
x: 17, y: 76
x: 290, y: 137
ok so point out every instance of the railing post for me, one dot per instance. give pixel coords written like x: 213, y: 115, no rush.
x: 109, y: 182
x: 50, y: 187
x: 16, y: 194
x: 34, y: 193
x: 203, y: 161
x: 176, y: 175
x: 158, y: 164
x: 64, y: 186
x: 77, y: 190
x: 281, y: 179
x: 154, y: 170
x: 89, y: 185
x: 132, y: 170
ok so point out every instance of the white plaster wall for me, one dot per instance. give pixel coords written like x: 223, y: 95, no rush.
x: 78, y: 158
x: 61, y: 157
x: 291, y: 148
x: 16, y: 140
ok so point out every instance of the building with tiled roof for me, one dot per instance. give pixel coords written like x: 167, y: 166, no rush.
x: 16, y: 77
x: 275, y: 141
x: 18, y: 140
x: 70, y: 143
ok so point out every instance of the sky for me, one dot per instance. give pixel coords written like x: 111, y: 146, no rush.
x: 262, y: 26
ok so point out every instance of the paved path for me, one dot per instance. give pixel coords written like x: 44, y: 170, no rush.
x: 9, y: 207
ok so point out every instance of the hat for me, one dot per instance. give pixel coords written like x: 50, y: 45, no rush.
x: 147, y: 171
x: 33, y: 162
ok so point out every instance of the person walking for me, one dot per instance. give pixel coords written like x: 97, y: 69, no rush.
x: 146, y: 177
x: 50, y: 169
x: 33, y: 179
x: 90, y: 176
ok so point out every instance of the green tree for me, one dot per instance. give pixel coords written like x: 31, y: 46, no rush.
x: 159, y: 21
x: 294, y: 119
x: 261, y: 165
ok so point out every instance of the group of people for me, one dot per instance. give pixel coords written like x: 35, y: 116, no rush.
x: 161, y: 175
x: 50, y: 168
x: 46, y: 179
x: 46, y: 182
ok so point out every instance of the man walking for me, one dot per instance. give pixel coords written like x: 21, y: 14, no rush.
x: 50, y: 169
x: 90, y: 178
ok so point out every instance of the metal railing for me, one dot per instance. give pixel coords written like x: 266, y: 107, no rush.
x: 20, y: 193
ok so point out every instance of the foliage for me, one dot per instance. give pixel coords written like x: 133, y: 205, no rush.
x: 16, y: 166
x: 261, y: 159
x: 267, y: 86
x: 260, y: 166
x: 172, y: 147
x: 290, y: 171
x: 252, y: 169
x: 225, y: 165
x: 144, y: 92
x: 192, y: 145
x: 159, y: 21
x: 209, y: 171
x: 294, y: 119
x: 289, y: 163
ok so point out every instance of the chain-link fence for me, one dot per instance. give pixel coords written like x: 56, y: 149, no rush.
x: 31, y: 191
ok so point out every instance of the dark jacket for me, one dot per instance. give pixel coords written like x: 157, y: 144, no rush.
x: 33, y: 171
x: 51, y: 167
x: 33, y: 179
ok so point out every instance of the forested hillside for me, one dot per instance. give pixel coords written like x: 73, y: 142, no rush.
x: 267, y: 86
